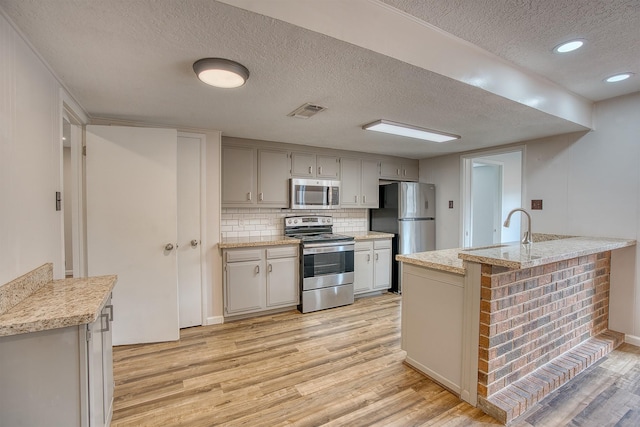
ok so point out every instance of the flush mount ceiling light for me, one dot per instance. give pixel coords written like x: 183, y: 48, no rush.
x: 409, y: 131
x: 569, y: 46
x: 220, y: 72
x: 618, y: 77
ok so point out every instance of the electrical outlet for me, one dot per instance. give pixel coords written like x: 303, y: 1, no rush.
x: 536, y: 205
x: 450, y: 204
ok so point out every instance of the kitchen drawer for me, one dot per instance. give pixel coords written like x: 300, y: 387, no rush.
x: 382, y: 244
x: 244, y: 255
x: 282, y: 252
x: 363, y: 246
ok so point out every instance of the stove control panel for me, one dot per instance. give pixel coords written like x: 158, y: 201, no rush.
x: 308, y: 221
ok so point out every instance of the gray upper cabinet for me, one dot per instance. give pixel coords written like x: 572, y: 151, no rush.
x: 350, y: 183
x: 359, y: 183
x: 306, y: 165
x: 254, y: 177
x: 369, y: 184
x: 257, y: 173
x: 273, y: 178
x: 400, y: 170
x: 303, y: 165
x: 327, y: 167
x: 238, y: 176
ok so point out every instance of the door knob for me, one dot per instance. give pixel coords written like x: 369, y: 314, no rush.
x: 168, y: 247
x: 194, y: 243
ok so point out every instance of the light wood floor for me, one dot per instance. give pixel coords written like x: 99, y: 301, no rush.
x: 339, y: 367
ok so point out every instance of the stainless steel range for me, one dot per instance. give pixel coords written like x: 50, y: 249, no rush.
x: 326, y: 264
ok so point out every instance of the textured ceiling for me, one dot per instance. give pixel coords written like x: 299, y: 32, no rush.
x: 131, y: 60
x: 525, y: 31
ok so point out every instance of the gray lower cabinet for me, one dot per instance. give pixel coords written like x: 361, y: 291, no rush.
x: 372, y: 266
x: 260, y: 279
x: 58, y: 377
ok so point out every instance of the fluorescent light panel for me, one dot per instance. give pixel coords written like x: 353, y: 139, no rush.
x: 409, y: 131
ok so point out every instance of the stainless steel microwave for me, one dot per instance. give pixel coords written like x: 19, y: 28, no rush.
x: 315, y: 194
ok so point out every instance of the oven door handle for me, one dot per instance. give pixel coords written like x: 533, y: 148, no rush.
x: 319, y: 248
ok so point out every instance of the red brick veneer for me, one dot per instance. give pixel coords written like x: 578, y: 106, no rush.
x: 532, y: 316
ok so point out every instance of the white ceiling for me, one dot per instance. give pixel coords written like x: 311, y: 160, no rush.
x: 132, y: 59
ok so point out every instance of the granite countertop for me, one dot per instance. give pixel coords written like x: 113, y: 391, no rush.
x: 517, y: 256
x: 545, y: 249
x: 444, y: 259
x: 251, y: 242
x: 58, y: 304
x: 368, y: 235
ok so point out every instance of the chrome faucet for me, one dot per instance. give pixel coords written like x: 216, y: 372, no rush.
x: 526, y: 239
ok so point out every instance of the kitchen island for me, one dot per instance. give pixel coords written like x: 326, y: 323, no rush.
x: 503, y: 326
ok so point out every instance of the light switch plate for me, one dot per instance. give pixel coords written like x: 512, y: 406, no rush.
x: 536, y: 205
x: 450, y: 204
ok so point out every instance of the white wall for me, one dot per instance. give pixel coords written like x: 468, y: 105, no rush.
x: 30, y: 160
x: 31, y: 230
x: 589, y: 184
x: 444, y: 172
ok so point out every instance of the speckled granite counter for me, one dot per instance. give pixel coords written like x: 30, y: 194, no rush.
x: 518, y: 256
x: 250, y: 242
x: 445, y: 260
x: 515, y: 255
x: 58, y: 304
x: 368, y: 235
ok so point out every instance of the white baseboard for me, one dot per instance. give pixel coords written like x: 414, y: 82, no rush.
x: 631, y: 339
x: 215, y: 320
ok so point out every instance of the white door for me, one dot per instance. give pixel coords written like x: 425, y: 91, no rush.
x: 189, y: 265
x: 132, y: 227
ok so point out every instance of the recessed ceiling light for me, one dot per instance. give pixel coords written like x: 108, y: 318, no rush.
x: 569, y: 46
x: 409, y: 131
x: 220, y: 72
x: 618, y: 77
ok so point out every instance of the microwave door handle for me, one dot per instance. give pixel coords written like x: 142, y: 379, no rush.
x: 328, y: 195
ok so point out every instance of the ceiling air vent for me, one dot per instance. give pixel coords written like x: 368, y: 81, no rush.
x: 305, y: 111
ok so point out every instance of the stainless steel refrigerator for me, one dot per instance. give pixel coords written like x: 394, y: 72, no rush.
x: 408, y: 210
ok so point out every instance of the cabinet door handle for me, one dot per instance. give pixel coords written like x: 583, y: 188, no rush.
x: 104, y: 316
x: 398, y: 172
x: 320, y: 170
x: 377, y: 257
x: 404, y: 172
x: 364, y: 199
x: 261, y: 197
x: 257, y: 269
x: 355, y: 198
x: 249, y: 196
x: 368, y: 257
x: 310, y: 170
x: 110, y: 308
x: 270, y: 268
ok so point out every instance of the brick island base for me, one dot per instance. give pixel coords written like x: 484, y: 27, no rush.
x: 539, y: 327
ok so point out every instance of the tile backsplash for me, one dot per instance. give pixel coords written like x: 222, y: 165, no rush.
x: 256, y: 222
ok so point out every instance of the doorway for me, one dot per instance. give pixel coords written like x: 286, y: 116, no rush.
x: 492, y: 186
x: 72, y: 206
